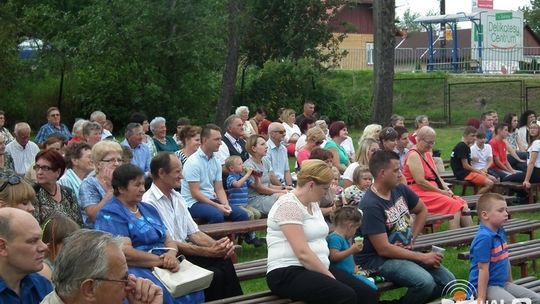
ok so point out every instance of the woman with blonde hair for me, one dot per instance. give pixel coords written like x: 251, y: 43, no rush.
x: 96, y: 190
x: 55, y: 230
x: 366, y: 149
x: 315, y: 137
x: 370, y: 131
x: 298, y: 264
x: 16, y: 192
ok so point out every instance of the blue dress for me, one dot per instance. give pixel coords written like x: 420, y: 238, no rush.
x: 146, y: 232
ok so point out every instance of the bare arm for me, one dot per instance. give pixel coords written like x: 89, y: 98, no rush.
x: 93, y: 210
x: 483, y: 278
x: 417, y: 171
x: 336, y: 255
x: 241, y: 181
x: 139, y: 258
x: 468, y: 167
x: 220, y: 193
x: 263, y: 189
x: 335, y: 160
x: 196, y: 193
x: 530, y: 167
x: 421, y: 213
x: 288, y: 178
x: 297, y: 239
x: 512, y: 151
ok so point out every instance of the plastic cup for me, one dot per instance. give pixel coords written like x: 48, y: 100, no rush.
x: 437, y: 249
x: 359, y: 240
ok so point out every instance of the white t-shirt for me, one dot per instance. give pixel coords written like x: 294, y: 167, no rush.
x: 289, y: 210
x: 348, y: 174
x: 348, y: 145
x: 482, y: 156
x: 534, y: 147
x: 289, y: 131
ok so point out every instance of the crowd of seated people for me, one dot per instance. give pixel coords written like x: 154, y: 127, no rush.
x: 151, y: 191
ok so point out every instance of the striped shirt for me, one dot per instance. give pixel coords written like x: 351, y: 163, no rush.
x: 490, y: 247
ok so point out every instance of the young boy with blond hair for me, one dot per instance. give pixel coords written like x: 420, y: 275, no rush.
x: 490, y: 271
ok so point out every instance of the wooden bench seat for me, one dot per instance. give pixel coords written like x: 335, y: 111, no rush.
x: 231, y: 228
x: 464, y: 185
x: 463, y: 236
x: 519, y: 254
x: 268, y: 297
x: 505, y: 187
x: 517, y: 209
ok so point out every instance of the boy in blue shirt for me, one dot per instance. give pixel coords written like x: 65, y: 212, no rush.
x: 237, y: 183
x: 490, y: 272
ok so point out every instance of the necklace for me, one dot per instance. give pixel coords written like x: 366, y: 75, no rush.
x: 55, y: 190
x: 377, y: 192
x: 134, y: 212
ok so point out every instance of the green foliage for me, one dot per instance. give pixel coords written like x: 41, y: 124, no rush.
x: 531, y: 13
x: 288, y: 83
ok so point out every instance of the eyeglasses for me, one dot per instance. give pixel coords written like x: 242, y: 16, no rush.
x: 43, y: 168
x: 125, y: 281
x: 113, y: 160
x: 10, y: 180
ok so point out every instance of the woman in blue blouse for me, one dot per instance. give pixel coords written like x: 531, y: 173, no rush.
x: 125, y: 215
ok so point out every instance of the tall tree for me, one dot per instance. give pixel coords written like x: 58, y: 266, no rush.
x: 277, y: 29
x: 384, y: 42
x: 532, y: 15
x: 407, y: 21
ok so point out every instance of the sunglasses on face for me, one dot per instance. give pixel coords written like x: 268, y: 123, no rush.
x: 11, y: 180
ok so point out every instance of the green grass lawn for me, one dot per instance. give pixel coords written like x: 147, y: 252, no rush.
x: 447, y: 138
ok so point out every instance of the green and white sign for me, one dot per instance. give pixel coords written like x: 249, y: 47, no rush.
x: 502, y: 39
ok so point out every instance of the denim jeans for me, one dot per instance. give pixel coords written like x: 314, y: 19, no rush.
x: 213, y: 215
x: 423, y: 283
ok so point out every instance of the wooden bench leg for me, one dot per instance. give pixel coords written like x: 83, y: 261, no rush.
x: 524, y: 269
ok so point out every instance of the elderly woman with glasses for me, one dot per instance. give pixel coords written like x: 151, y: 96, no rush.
x: 146, y: 241
x: 51, y: 197
x: 161, y: 140
x: 421, y: 175
x: 96, y: 189
x: 16, y: 192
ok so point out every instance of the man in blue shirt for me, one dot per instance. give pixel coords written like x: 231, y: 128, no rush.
x: 134, y: 141
x: 202, y: 187
x: 52, y: 126
x: 21, y: 255
x: 277, y: 153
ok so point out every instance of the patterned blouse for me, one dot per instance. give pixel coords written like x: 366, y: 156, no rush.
x: 46, y: 206
x: 8, y: 162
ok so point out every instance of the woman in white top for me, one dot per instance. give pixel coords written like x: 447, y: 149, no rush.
x: 292, y: 131
x: 298, y: 265
x: 249, y: 127
x: 533, y: 162
x: 524, y: 121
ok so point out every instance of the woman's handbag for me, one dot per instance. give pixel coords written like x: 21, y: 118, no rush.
x: 188, y: 279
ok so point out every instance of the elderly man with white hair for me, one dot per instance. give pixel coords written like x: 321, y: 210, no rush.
x: 158, y: 126
x: 22, y: 150
x: 102, y: 277
x: 250, y: 127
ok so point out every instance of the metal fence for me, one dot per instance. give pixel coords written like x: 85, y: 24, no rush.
x: 469, y: 60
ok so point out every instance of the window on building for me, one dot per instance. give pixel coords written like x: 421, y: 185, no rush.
x: 369, y: 53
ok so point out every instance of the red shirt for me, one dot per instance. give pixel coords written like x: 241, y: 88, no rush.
x: 499, y: 150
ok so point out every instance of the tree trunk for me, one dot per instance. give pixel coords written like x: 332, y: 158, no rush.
x: 383, y: 59
x: 226, y: 97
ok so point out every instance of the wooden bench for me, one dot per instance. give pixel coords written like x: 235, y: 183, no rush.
x: 463, y: 236
x: 517, y: 209
x: 433, y: 220
x: 464, y: 185
x: 519, y: 254
x: 268, y: 297
x: 232, y: 228
x: 505, y: 187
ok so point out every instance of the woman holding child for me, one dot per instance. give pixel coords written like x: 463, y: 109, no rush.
x: 298, y: 264
x: 421, y: 175
x: 266, y: 188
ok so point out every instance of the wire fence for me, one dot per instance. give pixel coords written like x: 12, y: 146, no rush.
x: 464, y: 60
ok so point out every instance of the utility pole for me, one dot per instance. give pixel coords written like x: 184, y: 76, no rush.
x: 442, y: 4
